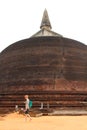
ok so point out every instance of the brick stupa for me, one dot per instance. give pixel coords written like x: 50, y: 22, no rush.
x: 48, y: 67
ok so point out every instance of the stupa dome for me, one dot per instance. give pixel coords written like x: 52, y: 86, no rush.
x: 38, y: 61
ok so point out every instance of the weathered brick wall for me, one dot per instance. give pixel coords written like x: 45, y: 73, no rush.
x: 44, y: 64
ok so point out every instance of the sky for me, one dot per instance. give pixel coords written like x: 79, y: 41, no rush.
x: 20, y: 19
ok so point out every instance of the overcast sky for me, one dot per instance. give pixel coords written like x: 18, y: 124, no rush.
x: 19, y: 19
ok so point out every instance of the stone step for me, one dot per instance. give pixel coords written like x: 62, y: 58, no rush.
x: 47, y: 99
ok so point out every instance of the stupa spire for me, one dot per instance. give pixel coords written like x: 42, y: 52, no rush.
x: 45, y: 28
x: 45, y: 21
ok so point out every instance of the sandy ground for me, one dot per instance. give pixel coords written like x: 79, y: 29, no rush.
x: 17, y: 122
